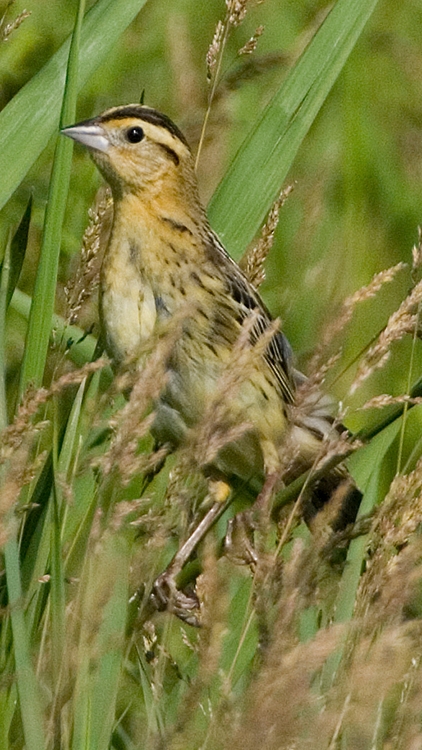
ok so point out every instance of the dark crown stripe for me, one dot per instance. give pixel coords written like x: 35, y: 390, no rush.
x: 147, y: 115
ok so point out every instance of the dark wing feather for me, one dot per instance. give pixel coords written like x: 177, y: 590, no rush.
x: 278, y: 354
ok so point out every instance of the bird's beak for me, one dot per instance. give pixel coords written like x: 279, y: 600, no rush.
x: 90, y: 134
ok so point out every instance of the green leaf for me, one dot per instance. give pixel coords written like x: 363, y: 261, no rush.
x: 101, y: 650
x: 81, y: 345
x: 18, y: 250
x: 33, y: 114
x: 251, y: 184
x: 38, y: 334
x: 371, y: 469
x: 4, y: 286
x: 28, y: 690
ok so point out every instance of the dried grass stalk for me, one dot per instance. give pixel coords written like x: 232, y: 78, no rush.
x: 393, y: 575
x: 252, y: 263
x: 9, y: 28
x: 16, y: 473
x: 348, y: 307
x: 309, y: 389
x: 17, y: 465
x: 13, y: 436
x: 214, y: 50
x: 417, y: 256
x: 250, y: 45
x: 401, y: 322
x: 380, y: 402
x: 281, y: 705
x: 86, y: 280
x: 236, y: 11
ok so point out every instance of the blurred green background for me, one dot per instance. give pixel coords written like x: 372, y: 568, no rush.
x: 356, y: 203
x: 354, y: 210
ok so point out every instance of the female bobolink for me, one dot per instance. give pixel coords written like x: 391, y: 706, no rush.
x: 162, y: 257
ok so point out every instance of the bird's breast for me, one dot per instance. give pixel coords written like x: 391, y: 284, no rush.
x: 128, y: 305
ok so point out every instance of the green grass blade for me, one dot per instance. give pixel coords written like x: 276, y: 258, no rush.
x: 82, y: 346
x: 18, y: 250
x: 42, y: 307
x: 372, y: 471
x: 33, y: 114
x: 69, y: 443
x: 111, y: 643
x: 29, y: 697
x: 57, y: 592
x: 251, y: 184
x: 8, y: 701
x: 67, y: 452
x: 61, y: 463
x: 4, y: 286
x: 11, y: 267
x: 103, y: 617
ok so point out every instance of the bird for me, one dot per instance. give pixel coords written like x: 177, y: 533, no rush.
x: 163, y: 258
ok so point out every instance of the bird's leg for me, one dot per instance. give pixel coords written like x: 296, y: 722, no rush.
x: 263, y: 500
x: 165, y: 593
x: 238, y: 543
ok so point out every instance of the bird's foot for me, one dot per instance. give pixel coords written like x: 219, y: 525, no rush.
x: 166, y: 595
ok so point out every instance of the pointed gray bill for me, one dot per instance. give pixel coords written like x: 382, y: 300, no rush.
x: 89, y: 134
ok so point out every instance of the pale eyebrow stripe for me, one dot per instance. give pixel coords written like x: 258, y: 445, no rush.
x: 147, y: 115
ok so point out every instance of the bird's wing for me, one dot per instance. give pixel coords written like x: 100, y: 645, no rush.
x: 278, y: 353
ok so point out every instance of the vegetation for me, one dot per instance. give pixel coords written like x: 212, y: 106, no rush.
x: 321, y: 645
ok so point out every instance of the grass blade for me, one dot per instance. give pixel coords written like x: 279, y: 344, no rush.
x: 18, y: 250
x: 42, y: 307
x: 373, y: 475
x: 29, y: 697
x: 5, y: 275
x: 103, y: 618
x: 33, y: 114
x: 82, y: 346
x: 253, y: 180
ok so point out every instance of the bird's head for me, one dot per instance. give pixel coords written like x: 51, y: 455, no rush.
x: 135, y: 148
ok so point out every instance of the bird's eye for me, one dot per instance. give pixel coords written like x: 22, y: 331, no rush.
x: 135, y: 134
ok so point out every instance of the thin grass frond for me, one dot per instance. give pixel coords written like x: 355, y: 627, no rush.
x: 309, y: 393
x: 17, y: 431
x: 251, y: 44
x: 18, y: 472
x: 366, y: 700
x: 7, y: 29
x: 252, y: 263
x: 285, y: 679
x: 416, y: 261
x: 235, y: 13
x: 335, y: 448
x: 400, y: 323
x: 392, y: 577
x: 401, y: 511
x: 214, y: 50
x: 417, y: 257
x: 361, y: 295
x: 383, y: 400
x: 86, y: 279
